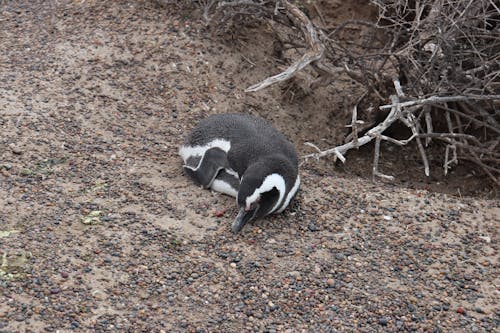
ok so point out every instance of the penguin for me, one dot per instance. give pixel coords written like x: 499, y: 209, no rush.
x: 245, y: 157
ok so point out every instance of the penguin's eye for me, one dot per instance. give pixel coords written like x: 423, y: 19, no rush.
x: 253, y: 205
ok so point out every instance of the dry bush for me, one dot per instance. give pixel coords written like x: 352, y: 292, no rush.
x: 432, y: 65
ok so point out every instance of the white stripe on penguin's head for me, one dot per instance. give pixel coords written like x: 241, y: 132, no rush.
x: 290, y: 195
x: 272, y: 181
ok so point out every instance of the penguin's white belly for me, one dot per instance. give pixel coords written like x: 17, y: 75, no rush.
x: 224, y: 187
x: 227, y: 182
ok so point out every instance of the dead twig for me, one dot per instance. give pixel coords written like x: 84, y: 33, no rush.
x: 441, y: 57
x: 445, y: 99
x: 315, y: 52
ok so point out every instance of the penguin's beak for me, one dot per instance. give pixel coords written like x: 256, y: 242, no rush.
x: 243, y: 217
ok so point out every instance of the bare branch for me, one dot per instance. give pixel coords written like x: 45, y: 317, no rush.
x: 446, y: 99
x: 315, y: 52
x: 394, y: 115
x: 376, y: 156
x: 441, y: 57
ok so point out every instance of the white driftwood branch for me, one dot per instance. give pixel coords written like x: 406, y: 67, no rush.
x: 447, y: 161
x: 354, y: 125
x: 315, y: 52
x: 446, y: 99
x: 376, y: 156
x: 428, y: 123
x: 410, y: 122
x: 405, y: 112
x: 399, y: 89
x: 394, y: 115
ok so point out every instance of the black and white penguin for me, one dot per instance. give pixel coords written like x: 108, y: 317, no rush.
x: 245, y: 157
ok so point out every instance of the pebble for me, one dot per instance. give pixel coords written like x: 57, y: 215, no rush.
x: 233, y: 265
x: 330, y: 282
x: 479, y: 310
x: 54, y: 291
x: 487, y: 239
x: 219, y: 213
x: 312, y: 227
x: 15, y: 149
x: 99, y: 295
x: 383, y: 321
x: 120, y: 306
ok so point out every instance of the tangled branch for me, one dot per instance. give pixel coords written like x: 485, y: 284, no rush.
x: 435, y: 60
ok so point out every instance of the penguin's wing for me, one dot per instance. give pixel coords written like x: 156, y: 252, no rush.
x: 209, y: 166
x: 226, y: 182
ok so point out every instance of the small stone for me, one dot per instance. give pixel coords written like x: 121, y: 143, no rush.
x: 219, y: 213
x: 487, y: 239
x: 233, y: 265
x: 461, y: 310
x: 15, y: 149
x: 54, y: 291
x: 272, y: 306
x: 383, y: 321
x: 479, y: 310
x: 312, y: 227
x: 99, y: 295
x: 330, y: 282
x: 120, y: 306
x: 64, y: 275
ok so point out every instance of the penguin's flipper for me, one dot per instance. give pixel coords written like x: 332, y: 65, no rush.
x: 209, y: 166
x: 226, y: 182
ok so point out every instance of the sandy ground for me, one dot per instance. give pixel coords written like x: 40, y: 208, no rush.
x: 100, y: 231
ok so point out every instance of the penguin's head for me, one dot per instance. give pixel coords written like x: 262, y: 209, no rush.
x: 261, y: 192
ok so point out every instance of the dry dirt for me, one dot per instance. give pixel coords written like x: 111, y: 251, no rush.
x: 100, y: 231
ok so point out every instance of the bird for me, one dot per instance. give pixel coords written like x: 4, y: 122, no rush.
x: 245, y: 157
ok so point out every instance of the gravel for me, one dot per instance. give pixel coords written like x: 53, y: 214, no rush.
x: 86, y: 94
